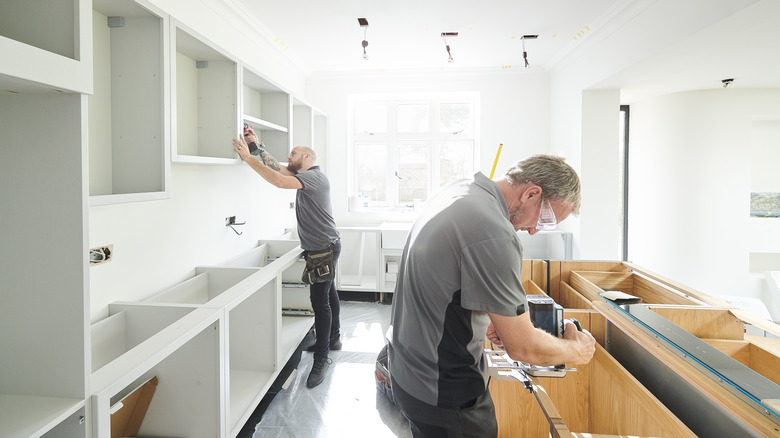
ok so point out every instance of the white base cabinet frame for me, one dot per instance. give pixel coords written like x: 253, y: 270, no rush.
x: 186, y: 358
x: 390, y: 258
x: 213, y: 287
x: 295, y: 293
x: 284, y: 255
x: 23, y: 416
x: 359, y: 265
x: 215, y: 341
x: 288, y: 256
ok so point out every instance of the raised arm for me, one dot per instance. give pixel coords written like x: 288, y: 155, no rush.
x: 268, y: 168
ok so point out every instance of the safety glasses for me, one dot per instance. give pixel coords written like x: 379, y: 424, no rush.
x: 547, y: 219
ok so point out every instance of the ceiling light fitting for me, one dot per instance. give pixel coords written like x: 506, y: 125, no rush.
x: 364, y: 24
x: 727, y: 82
x: 446, y: 35
x: 525, y: 54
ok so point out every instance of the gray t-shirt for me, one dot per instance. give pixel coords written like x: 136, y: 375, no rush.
x: 316, y: 226
x: 462, y: 258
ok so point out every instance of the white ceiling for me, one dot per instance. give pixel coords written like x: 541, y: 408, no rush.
x: 321, y: 36
x: 403, y: 35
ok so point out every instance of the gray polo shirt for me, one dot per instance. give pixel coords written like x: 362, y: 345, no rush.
x: 462, y: 258
x: 313, y: 210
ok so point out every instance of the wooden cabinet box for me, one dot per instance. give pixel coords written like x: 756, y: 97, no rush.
x: 599, y: 398
x: 652, y: 386
x: 710, y: 393
x: 576, y: 284
x: 626, y: 389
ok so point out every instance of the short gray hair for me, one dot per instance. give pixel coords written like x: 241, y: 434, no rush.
x: 558, y: 180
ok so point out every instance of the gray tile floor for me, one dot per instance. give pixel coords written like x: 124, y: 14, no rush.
x: 347, y: 404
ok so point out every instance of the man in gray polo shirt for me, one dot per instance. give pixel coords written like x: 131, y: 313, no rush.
x: 317, y: 231
x: 459, y: 282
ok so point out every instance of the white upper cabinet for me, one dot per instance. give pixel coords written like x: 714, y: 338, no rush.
x: 47, y: 52
x: 266, y: 108
x: 129, y: 117
x: 205, y: 100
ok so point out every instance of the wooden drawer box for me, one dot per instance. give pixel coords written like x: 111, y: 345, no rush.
x: 691, y: 380
x: 601, y: 398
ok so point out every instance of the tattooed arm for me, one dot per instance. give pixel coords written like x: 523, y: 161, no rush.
x: 269, y: 168
x: 273, y: 163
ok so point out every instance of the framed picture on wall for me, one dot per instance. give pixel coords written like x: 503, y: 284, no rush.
x: 765, y: 204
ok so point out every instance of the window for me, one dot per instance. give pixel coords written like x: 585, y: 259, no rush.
x: 403, y: 149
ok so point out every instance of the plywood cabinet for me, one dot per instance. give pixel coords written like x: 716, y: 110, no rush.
x: 600, y: 398
x: 639, y: 383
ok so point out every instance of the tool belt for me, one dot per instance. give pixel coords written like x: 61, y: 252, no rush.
x: 319, y: 266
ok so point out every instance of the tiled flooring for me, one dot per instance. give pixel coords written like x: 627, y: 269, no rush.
x: 347, y: 404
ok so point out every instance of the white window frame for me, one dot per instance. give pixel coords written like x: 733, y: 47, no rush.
x: 393, y: 140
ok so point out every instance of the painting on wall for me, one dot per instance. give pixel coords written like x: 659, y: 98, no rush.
x: 765, y: 204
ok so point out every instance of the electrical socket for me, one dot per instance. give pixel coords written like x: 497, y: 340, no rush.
x: 101, y: 254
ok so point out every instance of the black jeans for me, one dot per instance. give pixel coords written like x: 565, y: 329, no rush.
x: 474, y: 419
x: 325, y: 302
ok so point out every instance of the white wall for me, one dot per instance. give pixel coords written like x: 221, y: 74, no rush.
x: 690, y: 186
x: 159, y: 243
x: 514, y: 111
x: 601, y: 168
x: 690, y: 152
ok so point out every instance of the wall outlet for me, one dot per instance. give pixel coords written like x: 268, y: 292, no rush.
x: 101, y: 254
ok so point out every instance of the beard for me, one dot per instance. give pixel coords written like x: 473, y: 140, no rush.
x: 516, y: 215
x: 294, y: 167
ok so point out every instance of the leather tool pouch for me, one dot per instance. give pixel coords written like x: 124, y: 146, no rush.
x: 319, y: 266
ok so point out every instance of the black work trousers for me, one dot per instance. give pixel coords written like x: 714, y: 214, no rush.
x: 325, y: 303
x: 474, y: 419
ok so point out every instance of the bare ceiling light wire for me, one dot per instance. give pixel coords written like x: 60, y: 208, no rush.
x: 525, y: 54
x: 364, y: 24
x: 447, y: 45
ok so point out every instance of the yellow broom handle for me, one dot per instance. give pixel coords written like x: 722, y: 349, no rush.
x: 500, y: 145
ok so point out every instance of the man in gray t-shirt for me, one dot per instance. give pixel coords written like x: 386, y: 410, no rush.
x: 317, y: 231
x: 459, y: 282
